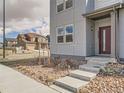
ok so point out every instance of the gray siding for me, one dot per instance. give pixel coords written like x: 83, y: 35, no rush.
x: 86, y: 42
x: 105, y: 3
x: 69, y: 16
x: 90, y: 5
x: 121, y: 35
x: 90, y: 37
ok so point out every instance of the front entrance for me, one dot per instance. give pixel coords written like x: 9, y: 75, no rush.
x: 105, y: 40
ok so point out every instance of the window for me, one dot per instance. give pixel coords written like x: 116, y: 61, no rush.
x: 60, y: 39
x: 60, y: 31
x: 69, y: 38
x: 60, y: 5
x: 69, y: 33
x: 69, y: 3
x: 63, y: 4
x: 69, y: 29
x: 60, y: 34
x: 65, y: 34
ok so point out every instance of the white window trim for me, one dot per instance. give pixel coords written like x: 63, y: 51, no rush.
x: 60, y: 35
x: 69, y: 33
x: 57, y: 30
x: 57, y: 8
x: 69, y: 7
x: 65, y: 33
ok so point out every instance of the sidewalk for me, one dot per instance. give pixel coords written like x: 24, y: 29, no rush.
x: 12, y: 81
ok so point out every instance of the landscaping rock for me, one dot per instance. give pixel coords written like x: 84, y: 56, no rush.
x: 43, y: 74
x: 109, y: 80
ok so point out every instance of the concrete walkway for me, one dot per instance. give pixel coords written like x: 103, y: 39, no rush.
x: 12, y: 81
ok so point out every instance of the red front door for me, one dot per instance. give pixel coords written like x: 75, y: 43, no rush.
x: 105, y: 40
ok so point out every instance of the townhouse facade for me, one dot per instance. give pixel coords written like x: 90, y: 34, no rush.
x: 81, y: 28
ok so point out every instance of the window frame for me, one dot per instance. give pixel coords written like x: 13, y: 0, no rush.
x: 69, y: 33
x: 57, y: 35
x: 64, y: 6
x: 57, y: 7
x: 69, y: 7
x: 65, y: 34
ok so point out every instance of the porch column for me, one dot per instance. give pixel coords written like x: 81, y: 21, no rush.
x: 113, y: 33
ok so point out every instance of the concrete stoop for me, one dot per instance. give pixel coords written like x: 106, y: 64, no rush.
x: 60, y: 89
x: 74, y: 82
x: 83, y: 75
x: 70, y: 83
x: 100, y: 60
x: 90, y: 68
x: 80, y: 78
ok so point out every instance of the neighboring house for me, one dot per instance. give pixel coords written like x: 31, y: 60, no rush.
x: 81, y: 28
x: 32, y: 41
x: 10, y: 42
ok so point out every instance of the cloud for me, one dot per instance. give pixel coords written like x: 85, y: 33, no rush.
x: 18, y: 9
x: 25, y: 16
x: 26, y: 25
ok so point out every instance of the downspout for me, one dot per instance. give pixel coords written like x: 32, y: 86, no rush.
x: 117, y: 33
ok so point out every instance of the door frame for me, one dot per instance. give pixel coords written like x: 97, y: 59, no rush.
x: 100, y: 40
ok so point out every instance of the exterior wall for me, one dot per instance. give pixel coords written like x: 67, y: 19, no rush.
x: 86, y: 41
x: 90, y: 5
x: 100, y: 23
x: 69, y: 16
x: 90, y: 37
x: 30, y: 46
x: 121, y: 35
x: 106, y: 3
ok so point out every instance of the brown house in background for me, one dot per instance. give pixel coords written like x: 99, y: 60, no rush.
x: 32, y: 41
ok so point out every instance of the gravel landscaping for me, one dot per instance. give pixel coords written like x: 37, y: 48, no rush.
x: 40, y: 73
x: 107, y: 82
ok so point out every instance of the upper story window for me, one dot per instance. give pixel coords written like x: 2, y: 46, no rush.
x: 60, y: 5
x: 63, y: 4
x: 69, y: 3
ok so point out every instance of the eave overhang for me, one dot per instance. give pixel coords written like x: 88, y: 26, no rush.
x: 103, y: 11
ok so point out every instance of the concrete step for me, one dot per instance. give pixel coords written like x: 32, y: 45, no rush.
x: 98, y: 63
x: 71, y: 83
x: 83, y: 75
x: 100, y: 59
x: 60, y: 89
x: 90, y: 68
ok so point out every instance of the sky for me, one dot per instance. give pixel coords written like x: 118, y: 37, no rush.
x: 23, y: 16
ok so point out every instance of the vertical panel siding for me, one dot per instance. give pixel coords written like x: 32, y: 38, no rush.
x: 69, y: 16
x: 105, y: 3
x: 121, y: 35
